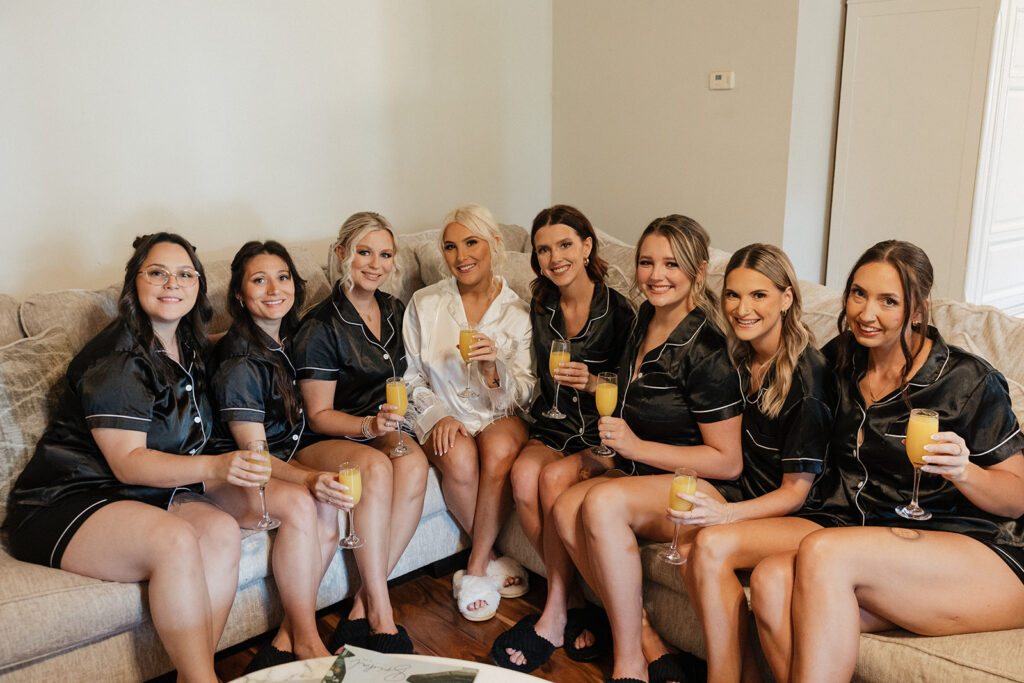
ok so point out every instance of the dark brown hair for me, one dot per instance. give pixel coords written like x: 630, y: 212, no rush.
x: 191, y: 331
x: 247, y: 327
x: 563, y: 214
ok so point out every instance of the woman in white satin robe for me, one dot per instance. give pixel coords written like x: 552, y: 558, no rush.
x: 472, y: 440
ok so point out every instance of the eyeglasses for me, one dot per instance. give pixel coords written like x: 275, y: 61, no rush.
x: 186, y: 277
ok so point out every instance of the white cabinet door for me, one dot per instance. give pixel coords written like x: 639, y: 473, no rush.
x: 995, y: 273
x: 910, y: 113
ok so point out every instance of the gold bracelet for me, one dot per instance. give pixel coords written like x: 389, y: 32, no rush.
x: 367, y: 421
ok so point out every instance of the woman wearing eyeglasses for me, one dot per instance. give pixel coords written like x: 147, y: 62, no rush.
x: 111, y: 491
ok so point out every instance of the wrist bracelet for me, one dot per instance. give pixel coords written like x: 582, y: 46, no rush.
x: 367, y: 421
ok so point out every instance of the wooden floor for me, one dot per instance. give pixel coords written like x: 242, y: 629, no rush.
x: 424, y: 605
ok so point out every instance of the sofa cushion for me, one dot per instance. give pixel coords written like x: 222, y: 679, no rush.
x: 30, y: 370
x: 10, y: 326
x: 82, y: 313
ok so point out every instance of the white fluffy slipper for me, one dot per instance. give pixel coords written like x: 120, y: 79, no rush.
x: 469, y: 589
x: 504, y: 568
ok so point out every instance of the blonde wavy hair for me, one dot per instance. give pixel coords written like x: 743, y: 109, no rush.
x: 355, y: 227
x: 772, y: 262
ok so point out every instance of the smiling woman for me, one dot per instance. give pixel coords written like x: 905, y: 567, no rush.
x: 473, y: 435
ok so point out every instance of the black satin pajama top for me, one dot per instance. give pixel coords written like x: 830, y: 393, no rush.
x: 113, y: 383
x: 796, y: 440
x: 244, y: 390
x: 864, y: 482
x: 334, y: 344
x: 683, y: 382
x: 599, y: 344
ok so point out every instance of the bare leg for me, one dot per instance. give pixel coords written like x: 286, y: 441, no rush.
x: 297, y: 557
x: 913, y: 579
x: 460, y: 479
x: 498, y: 444
x: 410, y: 487
x: 614, y: 513
x: 556, y: 478
x: 525, y: 479
x: 129, y: 541
x: 717, y: 594
x: 771, y: 599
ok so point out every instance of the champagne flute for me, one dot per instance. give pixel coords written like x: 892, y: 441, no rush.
x: 467, y: 336
x: 560, y: 353
x: 684, y: 481
x: 266, y: 522
x: 397, y: 397
x: 606, y: 395
x: 348, y: 474
x: 922, y: 424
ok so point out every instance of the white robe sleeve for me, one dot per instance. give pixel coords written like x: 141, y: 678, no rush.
x: 425, y: 407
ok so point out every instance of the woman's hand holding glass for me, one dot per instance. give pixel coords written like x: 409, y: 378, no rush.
x: 325, y: 488
x: 617, y: 435
x: 575, y: 375
x: 443, y: 436
x: 704, y: 510
x: 947, y: 457
x: 243, y: 468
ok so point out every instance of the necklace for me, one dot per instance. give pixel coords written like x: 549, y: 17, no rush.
x: 888, y: 386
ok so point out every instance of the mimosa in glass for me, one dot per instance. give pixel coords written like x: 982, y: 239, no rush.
x: 560, y: 353
x: 259, y: 447
x: 605, y: 397
x: 920, y: 428
x: 684, y: 481
x: 348, y: 475
x: 396, y: 396
x: 467, y: 336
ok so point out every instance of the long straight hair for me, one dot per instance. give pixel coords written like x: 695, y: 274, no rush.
x: 563, y: 214
x: 248, y: 328
x: 690, y: 242
x: 191, y: 330
x: 772, y: 262
x: 916, y: 277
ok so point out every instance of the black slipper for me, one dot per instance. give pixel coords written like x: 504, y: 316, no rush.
x: 622, y: 680
x: 268, y: 656
x: 680, y: 667
x: 590, y: 618
x: 350, y: 632
x: 391, y: 643
x: 524, y: 638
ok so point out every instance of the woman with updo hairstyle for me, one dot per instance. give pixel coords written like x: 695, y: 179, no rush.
x: 571, y: 303
x: 347, y: 348
x: 114, y: 489
x: 788, y: 402
x: 679, y: 406
x: 253, y: 386
x: 464, y: 405
x: 863, y: 559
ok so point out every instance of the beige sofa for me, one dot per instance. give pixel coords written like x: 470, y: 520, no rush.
x: 55, y: 625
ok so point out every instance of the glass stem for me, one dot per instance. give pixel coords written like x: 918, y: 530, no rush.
x: 263, y: 502
x: 351, y: 524
x: 917, y: 482
x: 556, y: 396
x: 469, y: 377
x: 675, y: 538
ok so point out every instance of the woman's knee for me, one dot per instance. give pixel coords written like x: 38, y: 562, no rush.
x: 822, y: 554
x: 712, y: 548
x: 770, y: 582
x: 554, y: 479
x: 603, y: 505
x: 524, y: 476
x: 566, y: 511
x: 294, y: 505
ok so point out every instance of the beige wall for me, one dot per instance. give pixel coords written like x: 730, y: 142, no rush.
x: 240, y: 119
x: 637, y: 133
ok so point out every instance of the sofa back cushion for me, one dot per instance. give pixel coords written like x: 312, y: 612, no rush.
x: 10, y: 326
x: 30, y: 373
x: 81, y: 313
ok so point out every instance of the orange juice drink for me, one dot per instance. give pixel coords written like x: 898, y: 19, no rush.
x: 465, y: 340
x: 922, y: 424
x: 682, y: 483
x: 350, y: 477
x: 263, y: 459
x: 557, y: 357
x: 396, y: 396
x: 606, y: 395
